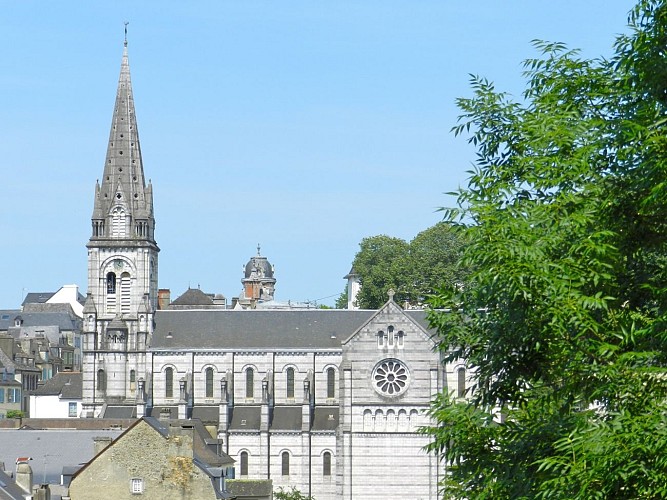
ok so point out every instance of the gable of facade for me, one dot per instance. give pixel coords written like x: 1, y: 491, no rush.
x: 390, y: 371
x: 155, y: 460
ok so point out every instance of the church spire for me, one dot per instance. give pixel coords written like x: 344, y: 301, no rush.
x: 123, y: 202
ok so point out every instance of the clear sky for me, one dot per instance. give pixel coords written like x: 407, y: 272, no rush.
x: 304, y: 126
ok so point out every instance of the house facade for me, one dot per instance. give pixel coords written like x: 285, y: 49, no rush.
x: 327, y: 401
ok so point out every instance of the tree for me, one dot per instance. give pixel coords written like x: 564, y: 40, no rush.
x: 381, y: 263
x: 292, y: 494
x: 564, y: 313
x: 413, y: 270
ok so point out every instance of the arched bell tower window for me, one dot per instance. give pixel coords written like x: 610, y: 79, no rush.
x: 111, y: 282
x: 125, y: 284
x: 118, y: 223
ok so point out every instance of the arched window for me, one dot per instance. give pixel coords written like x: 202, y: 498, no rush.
x: 244, y: 463
x: 326, y: 464
x: 461, y: 388
x: 331, y: 383
x: 285, y: 463
x: 133, y: 376
x: 111, y: 283
x: 209, y: 382
x: 249, y: 383
x: 118, y: 223
x: 125, y: 283
x: 169, y: 382
x: 290, y: 382
x: 101, y: 380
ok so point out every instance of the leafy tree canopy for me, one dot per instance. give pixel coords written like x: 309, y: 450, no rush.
x: 413, y: 270
x: 564, y: 315
x: 291, y: 494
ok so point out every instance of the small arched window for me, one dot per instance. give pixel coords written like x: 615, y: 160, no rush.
x: 169, y: 382
x: 461, y: 382
x: 101, y: 380
x: 133, y: 376
x: 285, y: 463
x: 209, y: 382
x: 244, y: 463
x: 111, y: 283
x: 326, y: 464
x: 331, y: 383
x: 290, y: 382
x: 249, y: 383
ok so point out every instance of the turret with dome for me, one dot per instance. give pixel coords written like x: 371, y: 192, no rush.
x: 258, y: 281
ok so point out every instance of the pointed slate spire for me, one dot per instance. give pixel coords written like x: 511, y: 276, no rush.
x: 123, y: 189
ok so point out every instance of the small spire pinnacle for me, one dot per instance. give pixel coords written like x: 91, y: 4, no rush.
x: 258, y: 248
x: 125, y: 43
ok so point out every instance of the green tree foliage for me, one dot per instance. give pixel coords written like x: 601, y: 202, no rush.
x: 292, y: 494
x: 565, y: 313
x: 381, y: 264
x: 413, y: 270
x: 14, y: 414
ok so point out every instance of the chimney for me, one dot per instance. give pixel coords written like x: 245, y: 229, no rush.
x: 101, y: 443
x: 41, y: 492
x: 163, y: 298
x: 24, y: 475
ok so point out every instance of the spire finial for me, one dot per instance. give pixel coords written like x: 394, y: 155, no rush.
x: 126, y: 23
x: 258, y: 248
x: 391, y: 294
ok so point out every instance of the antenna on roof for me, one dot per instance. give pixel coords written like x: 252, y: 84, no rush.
x: 126, y: 23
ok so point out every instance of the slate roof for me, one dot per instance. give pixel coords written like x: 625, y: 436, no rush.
x: 9, y: 490
x: 250, y: 487
x: 37, y: 297
x: 67, y: 385
x: 126, y: 411
x: 325, y: 418
x: 50, y: 449
x: 60, y: 319
x: 245, y: 418
x: 7, y: 318
x: 256, y: 329
x: 157, y: 410
x: 286, y: 418
x: 193, y: 297
x: 207, y: 414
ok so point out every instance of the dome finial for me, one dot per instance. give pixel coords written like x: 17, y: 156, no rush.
x: 258, y: 249
x: 125, y: 43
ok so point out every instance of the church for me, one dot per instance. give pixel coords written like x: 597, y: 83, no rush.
x: 327, y: 401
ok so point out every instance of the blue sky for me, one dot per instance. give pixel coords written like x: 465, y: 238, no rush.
x: 303, y: 126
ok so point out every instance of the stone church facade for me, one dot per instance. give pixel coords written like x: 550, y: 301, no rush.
x: 327, y: 401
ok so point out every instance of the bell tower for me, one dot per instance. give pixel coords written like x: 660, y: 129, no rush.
x: 122, y: 265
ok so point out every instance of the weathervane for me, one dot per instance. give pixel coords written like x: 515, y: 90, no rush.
x: 126, y: 23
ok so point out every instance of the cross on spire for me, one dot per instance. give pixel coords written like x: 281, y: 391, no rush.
x: 126, y: 23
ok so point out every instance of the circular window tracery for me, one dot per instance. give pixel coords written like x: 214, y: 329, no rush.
x: 390, y: 377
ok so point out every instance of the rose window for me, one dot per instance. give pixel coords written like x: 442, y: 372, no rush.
x: 390, y: 377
